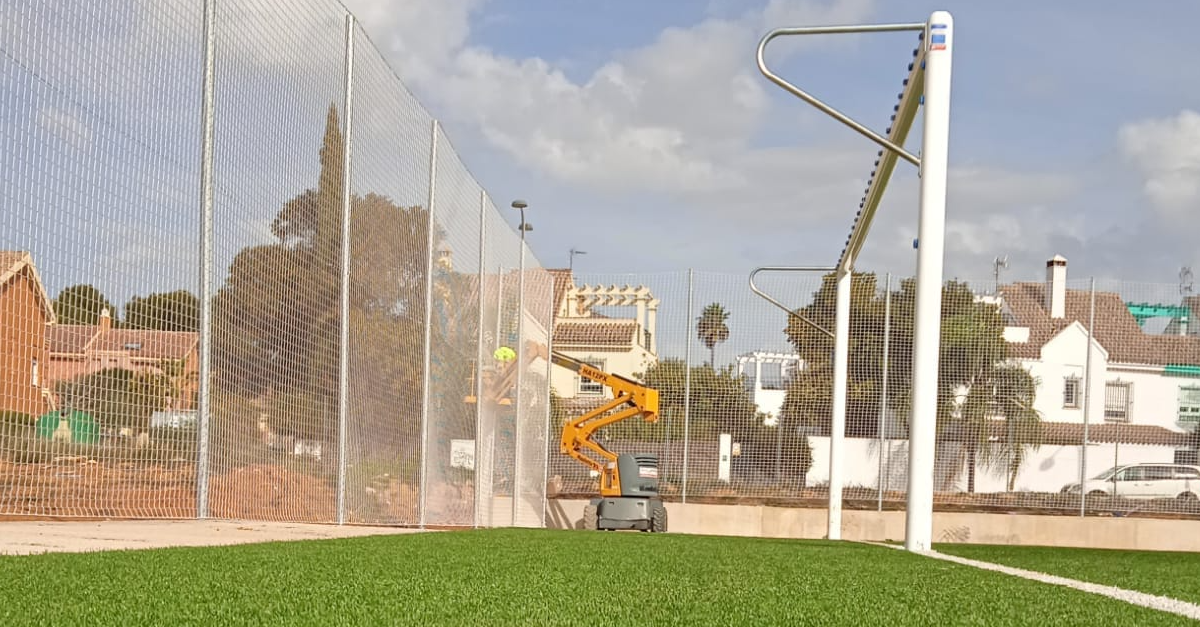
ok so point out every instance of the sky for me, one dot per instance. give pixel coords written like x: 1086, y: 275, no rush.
x: 639, y: 132
x: 643, y: 133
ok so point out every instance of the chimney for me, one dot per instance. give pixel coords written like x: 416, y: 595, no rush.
x: 105, y: 319
x: 1056, y: 286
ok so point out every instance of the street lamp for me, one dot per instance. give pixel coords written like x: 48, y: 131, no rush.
x: 524, y: 227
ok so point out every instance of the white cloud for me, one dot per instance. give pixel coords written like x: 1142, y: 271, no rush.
x: 676, y: 115
x: 990, y: 211
x: 1167, y: 153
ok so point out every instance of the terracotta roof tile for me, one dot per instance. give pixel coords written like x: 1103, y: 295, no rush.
x: 1115, y: 328
x: 146, y: 344
x: 70, y: 338
x: 1071, y: 433
x: 594, y: 333
x: 10, y: 258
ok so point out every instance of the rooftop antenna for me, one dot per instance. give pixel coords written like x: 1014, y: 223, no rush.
x: 572, y: 253
x: 998, y: 264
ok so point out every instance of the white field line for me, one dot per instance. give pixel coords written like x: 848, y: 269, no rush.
x: 1152, y: 601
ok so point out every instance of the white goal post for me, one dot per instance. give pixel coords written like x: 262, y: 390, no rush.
x: 927, y: 86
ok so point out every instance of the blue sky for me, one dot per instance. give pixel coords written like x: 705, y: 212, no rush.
x: 1074, y: 130
x: 640, y: 132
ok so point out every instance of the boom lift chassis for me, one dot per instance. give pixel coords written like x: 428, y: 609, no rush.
x: 629, y: 497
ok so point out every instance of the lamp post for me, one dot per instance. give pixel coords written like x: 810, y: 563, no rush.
x: 524, y: 227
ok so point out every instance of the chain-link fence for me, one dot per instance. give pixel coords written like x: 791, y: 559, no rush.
x: 247, y: 276
x: 1025, y: 410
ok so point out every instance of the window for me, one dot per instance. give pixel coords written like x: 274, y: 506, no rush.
x: 772, y: 376
x: 1187, y: 473
x: 1071, y: 388
x: 1133, y: 473
x: 1117, y: 396
x: 1158, y: 473
x: 33, y: 373
x: 1189, y: 405
x: 587, y: 387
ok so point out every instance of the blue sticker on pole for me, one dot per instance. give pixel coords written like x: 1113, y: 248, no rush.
x: 937, y: 41
x: 937, y: 26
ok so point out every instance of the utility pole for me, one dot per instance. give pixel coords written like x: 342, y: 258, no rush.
x: 1000, y: 263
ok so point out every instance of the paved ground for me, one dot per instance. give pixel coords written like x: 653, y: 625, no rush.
x: 24, y: 538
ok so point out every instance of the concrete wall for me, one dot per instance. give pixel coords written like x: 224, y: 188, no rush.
x: 787, y: 522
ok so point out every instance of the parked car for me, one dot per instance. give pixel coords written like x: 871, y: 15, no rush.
x: 1143, y: 481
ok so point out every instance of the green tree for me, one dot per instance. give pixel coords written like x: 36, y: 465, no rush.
x: 712, y: 329
x: 278, y: 315
x: 81, y: 304
x: 809, y: 400
x: 977, y: 383
x: 720, y: 403
x: 165, y: 311
x: 117, y: 397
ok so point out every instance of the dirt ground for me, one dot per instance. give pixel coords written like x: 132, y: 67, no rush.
x: 72, y: 488
x: 28, y: 537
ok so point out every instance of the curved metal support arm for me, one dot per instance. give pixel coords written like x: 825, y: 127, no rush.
x: 768, y: 298
x: 812, y: 100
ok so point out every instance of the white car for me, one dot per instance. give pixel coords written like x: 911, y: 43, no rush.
x: 1143, y: 481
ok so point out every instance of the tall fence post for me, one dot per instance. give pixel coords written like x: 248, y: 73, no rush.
x: 423, y: 483
x: 516, y: 471
x: 344, y: 339
x: 207, y: 122
x: 883, y: 391
x: 497, y: 341
x: 546, y: 433
x: 687, y: 386
x: 479, y: 352
x: 1087, y: 399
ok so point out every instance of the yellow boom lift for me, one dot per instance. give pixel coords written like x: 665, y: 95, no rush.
x: 629, y: 496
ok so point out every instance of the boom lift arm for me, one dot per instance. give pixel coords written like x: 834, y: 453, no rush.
x: 630, y: 399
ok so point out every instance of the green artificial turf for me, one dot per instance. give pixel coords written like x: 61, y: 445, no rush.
x: 1170, y: 574
x: 536, y: 577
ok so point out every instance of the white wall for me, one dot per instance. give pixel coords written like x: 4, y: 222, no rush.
x: 1065, y: 355
x: 1047, y: 469
x: 1154, y: 396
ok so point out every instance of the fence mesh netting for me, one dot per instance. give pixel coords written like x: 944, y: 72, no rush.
x: 372, y: 342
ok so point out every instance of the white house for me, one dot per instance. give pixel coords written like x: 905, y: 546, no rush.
x: 1144, y: 390
x: 616, y: 343
x: 1142, y: 400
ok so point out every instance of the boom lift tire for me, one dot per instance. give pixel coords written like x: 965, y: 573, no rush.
x: 658, y: 519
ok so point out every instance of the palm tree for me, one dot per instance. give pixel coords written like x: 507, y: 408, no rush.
x: 712, y: 330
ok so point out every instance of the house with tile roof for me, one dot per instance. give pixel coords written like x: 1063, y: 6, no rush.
x: 80, y: 349
x: 26, y: 313
x: 1144, y: 391
x: 1137, y: 378
x: 608, y: 326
